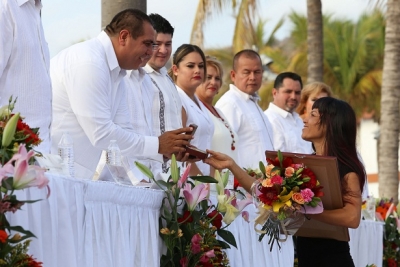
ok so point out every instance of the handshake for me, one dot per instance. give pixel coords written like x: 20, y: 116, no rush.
x: 178, y: 142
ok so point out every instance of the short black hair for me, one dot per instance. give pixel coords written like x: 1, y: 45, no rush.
x: 291, y: 75
x: 161, y: 25
x: 128, y: 19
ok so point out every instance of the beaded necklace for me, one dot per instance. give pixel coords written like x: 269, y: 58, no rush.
x: 216, y: 114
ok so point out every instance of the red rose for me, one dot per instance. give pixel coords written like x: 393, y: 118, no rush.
x: 313, y: 179
x: 186, y: 217
x: 216, y: 218
x: 3, y: 236
x: 391, y: 263
x: 236, y: 183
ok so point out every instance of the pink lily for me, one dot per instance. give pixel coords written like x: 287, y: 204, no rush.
x: 184, y: 176
x: 194, y: 196
x: 24, y: 175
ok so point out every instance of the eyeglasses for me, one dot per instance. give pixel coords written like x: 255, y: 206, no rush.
x: 151, y: 45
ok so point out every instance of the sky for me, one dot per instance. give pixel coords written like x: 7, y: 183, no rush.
x: 68, y: 22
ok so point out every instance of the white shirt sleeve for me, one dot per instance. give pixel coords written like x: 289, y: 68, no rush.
x: 6, y: 38
x: 90, y: 102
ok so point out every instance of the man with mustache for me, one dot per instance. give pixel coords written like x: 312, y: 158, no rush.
x: 240, y: 107
x: 286, y: 123
x: 89, y: 94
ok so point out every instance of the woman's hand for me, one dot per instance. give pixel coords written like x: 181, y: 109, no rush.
x: 219, y: 160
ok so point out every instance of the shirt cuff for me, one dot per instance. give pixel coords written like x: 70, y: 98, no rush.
x: 151, y: 148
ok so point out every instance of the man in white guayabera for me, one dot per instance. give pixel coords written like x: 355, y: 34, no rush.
x: 90, y: 94
x: 240, y: 107
x: 24, y: 65
x: 286, y: 124
x: 167, y: 105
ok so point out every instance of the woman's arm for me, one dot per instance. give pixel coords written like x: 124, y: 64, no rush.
x: 221, y: 161
x: 350, y: 214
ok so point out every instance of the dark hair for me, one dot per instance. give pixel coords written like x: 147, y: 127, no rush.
x: 339, y: 120
x: 181, y: 53
x: 161, y: 25
x: 245, y: 53
x: 291, y: 75
x: 128, y: 19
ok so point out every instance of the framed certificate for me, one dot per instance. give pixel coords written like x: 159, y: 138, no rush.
x: 327, y: 173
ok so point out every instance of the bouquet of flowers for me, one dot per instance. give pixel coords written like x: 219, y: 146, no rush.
x: 283, y: 195
x: 386, y: 211
x: 16, y: 173
x: 191, y: 226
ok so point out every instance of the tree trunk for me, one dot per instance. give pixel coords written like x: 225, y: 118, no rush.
x: 197, y: 35
x: 389, y: 124
x: 110, y: 8
x: 315, y: 50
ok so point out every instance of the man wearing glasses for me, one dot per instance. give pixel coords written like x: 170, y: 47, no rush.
x: 89, y: 94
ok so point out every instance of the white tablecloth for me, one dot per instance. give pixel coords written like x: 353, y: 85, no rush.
x: 92, y: 224
x: 366, y: 243
x: 96, y: 224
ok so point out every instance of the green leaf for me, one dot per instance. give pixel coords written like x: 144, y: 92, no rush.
x: 204, y: 179
x: 306, y: 179
x: 262, y: 168
x: 174, y: 169
x: 27, y: 234
x: 227, y: 236
x: 145, y: 170
x: 7, y: 183
x: 167, y: 214
x: 223, y: 244
x: 280, y: 158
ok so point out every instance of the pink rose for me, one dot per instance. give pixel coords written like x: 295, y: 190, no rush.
x: 298, y: 198
x: 196, y: 239
x: 307, y: 194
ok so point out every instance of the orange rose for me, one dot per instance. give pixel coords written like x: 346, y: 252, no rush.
x: 3, y: 236
x: 267, y: 183
x: 289, y: 172
x: 268, y: 170
x: 298, y: 198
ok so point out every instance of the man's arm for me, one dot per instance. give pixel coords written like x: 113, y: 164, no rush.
x: 6, y: 38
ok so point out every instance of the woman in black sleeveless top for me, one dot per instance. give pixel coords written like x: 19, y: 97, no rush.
x: 331, y: 127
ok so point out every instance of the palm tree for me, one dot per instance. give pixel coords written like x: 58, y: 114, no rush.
x: 315, y: 51
x: 109, y: 8
x: 206, y: 8
x: 352, y: 60
x: 389, y: 123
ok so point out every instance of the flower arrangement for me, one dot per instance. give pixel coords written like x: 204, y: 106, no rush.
x: 386, y: 211
x: 285, y: 192
x: 191, y: 226
x: 16, y: 173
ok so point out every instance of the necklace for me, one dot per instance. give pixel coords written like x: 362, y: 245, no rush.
x: 216, y: 114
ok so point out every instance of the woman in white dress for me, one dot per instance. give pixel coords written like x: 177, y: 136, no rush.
x: 224, y: 138
x: 188, y: 72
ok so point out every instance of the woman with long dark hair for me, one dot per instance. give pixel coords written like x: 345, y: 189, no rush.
x: 331, y: 127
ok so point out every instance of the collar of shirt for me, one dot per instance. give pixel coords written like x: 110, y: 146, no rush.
x: 112, y: 60
x: 281, y: 112
x: 38, y: 3
x: 149, y: 69
x: 243, y: 95
x: 137, y: 74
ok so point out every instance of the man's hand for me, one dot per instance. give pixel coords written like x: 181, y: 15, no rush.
x: 174, y: 141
